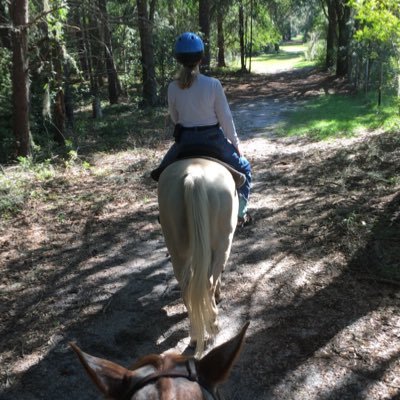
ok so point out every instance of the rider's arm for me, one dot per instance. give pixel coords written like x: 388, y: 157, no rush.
x: 171, y: 105
x: 224, y: 115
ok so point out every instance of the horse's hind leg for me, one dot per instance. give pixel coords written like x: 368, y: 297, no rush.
x: 217, y: 293
x: 221, y: 255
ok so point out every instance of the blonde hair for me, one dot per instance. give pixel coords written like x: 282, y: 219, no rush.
x: 187, y: 75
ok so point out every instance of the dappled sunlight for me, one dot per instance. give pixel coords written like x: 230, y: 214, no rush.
x: 315, y: 273
x: 332, y: 116
x: 326, y: 374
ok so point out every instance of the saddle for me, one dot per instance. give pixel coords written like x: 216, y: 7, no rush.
x: 208, y: 154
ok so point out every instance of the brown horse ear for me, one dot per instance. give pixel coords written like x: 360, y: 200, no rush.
x: 215, y: 367
x: 112, y: 379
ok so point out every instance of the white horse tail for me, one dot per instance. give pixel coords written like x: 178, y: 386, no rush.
x: 196, y: 282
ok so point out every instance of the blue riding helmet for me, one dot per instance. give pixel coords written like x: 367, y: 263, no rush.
x: 189, y: 49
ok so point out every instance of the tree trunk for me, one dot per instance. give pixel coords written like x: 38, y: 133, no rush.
x: 147, y: 50
x: 92, y: 68
x: 380, y: 83
x: 112, y: 76
x: 220, y: 37
x: 59, y: 103
x: 241, y: 38
x: 68, y: 99
x: 343, y: 13
x: 20, y: 77
x: 81, y: 43
x: 366, y: 80
x: 204, y: 24
x: 251, y: 35
x: 331, y: 39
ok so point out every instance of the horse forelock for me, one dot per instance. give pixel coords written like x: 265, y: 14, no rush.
x: 168, y: 387
x: 161, y: 362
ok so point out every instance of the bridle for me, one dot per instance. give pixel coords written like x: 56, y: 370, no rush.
x: 186, y: 370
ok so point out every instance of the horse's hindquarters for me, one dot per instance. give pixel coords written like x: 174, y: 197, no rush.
x: 198, y: 212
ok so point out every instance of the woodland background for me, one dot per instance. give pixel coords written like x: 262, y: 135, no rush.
x: 314, y: 91
x: 61, y: 57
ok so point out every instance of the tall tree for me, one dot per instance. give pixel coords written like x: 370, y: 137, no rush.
x: 150, y: 97
x: 280, y: 11
x: 20, y: 76
x: 220, y: 37
x: 378, y: 28
x: 91, y: 38
x: 241, y: 38
x: 53, y: 56
x: 112, y: 76
x: 343, y: 13
x: 331, y: 37
x: 204, y: 24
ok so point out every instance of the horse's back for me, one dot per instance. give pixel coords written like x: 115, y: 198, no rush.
x: 216, y: 175
x: 219, y: 187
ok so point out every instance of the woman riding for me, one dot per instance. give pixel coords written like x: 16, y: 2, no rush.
x: 203, y: 120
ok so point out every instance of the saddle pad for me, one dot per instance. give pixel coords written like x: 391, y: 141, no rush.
x: 237, y: 176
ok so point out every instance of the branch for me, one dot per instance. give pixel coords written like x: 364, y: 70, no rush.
x: 16, y: 28
x: 323, y: 9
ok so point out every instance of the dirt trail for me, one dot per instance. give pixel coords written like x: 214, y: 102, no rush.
x: 319, y: 328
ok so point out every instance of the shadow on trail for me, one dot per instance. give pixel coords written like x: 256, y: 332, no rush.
x: 121, y: 315
x: 118, y: 315
x: 302, y: 328
x: 294, y: 85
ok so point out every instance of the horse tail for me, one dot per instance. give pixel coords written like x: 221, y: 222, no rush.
x: 196, y: 282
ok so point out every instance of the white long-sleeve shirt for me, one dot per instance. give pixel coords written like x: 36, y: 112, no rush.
x: 203, y: 103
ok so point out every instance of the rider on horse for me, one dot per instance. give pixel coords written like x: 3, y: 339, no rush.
x: 203, y: 120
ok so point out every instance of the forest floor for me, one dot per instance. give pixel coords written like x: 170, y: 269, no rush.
x: 85, y: 261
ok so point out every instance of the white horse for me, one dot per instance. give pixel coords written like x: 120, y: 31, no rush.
x: 198, y: 205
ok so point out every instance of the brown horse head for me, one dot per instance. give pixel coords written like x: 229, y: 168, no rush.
x: 165, y: 377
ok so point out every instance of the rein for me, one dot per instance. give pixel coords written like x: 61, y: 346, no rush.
x: 189, y: 372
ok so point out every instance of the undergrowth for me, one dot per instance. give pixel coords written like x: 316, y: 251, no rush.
x: 332, y: 116
x: 122, y: 128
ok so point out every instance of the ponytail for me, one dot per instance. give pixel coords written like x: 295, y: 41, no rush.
x: 187, y: 75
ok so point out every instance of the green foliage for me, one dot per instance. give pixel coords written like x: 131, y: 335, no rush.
x: 56, y: 19
x: 122, y: 127
x: 291, y: 55
x: 12, y: 195
x: 5, y: 80
x: 316, y: 49
x: 331, y: 116
x: 17, y: 185
x: 380, y: 20
x: 378, y: 38
x: 265, y: 33
x: 41, y: 171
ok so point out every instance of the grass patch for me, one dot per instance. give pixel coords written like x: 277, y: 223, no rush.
x: 331, y: 116
x: 290, y: 56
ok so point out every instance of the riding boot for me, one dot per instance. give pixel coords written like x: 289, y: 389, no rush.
x: 244, y: 218
x: 242, y: 206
